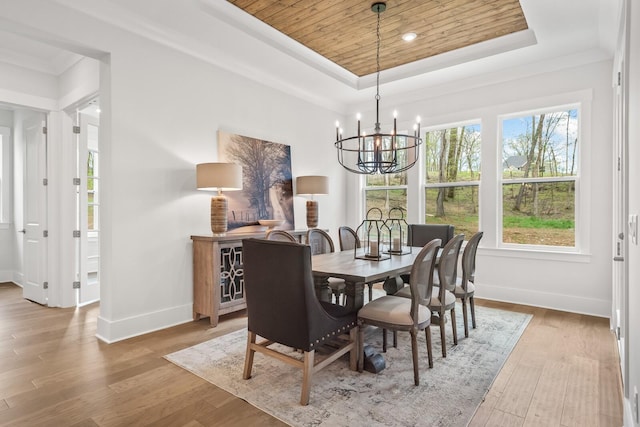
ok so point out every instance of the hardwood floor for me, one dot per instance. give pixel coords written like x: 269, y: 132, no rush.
x: 53, y: 371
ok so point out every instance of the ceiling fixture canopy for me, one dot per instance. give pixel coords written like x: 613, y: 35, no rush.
x: 378, y: 153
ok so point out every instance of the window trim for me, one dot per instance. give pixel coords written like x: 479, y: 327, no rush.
x: 476, y: 183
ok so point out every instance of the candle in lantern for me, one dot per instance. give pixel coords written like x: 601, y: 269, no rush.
x: 395, y: 245
x: 373, y: 249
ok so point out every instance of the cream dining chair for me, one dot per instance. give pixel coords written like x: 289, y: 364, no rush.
x: 405, y: 314
x: 443, y: 298
x: 465, y: 286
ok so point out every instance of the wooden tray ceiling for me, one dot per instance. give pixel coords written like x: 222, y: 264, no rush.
x: 344, y: 31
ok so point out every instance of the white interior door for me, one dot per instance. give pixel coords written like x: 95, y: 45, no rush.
x: 89, y: 209
x: 35, y: 209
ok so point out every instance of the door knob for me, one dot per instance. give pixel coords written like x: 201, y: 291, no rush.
x: 23, y: 231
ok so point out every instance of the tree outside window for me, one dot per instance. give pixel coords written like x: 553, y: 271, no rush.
x: 452, y: 177
x: 386, y: 192
x: 539, y: 175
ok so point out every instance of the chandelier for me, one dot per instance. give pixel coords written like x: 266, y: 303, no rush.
x: 378, y: 153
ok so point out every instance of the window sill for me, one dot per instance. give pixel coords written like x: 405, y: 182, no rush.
x: 537, y: 254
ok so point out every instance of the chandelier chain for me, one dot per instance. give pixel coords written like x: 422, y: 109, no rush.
x: 378, y: 152
x: 378, y: 58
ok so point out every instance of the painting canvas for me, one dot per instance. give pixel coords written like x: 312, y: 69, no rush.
x: 267, y: 186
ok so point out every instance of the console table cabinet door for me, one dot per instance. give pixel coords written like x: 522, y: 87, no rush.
x: 231, y: 277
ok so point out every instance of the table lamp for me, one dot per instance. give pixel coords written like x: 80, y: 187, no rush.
x: 220, y: 177
x: 312, y: 185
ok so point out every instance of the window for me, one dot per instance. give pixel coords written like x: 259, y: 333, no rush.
x: 452, y: 177
x: 385, y: 192
x: 539, y: 176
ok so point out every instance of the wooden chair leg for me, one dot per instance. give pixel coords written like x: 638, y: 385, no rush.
x: 355, y: 353
x: 384, y: 340
x: 360, y: 347
x: 248, y: 358
x: 472, y: 304
x: 427, y: 332
x: 395, y: 339
x: 465, y: 317
x: 443, y: 340
x: 307, y: 376
x: 454, y: 327
x: 370, y: 291
x: 414, y: 353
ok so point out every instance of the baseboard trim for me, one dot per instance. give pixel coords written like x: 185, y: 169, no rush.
x: 18, y: 279
x: 568, y: 303
x: 111, y: 331
x: 628, y: 414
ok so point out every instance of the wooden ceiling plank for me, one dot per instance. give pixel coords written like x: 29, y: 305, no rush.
x: 394, y: 28
x: 479, y: 30
x: 390, y: 58
x: 339, y: 19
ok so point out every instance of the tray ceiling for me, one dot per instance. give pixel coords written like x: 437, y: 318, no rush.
x: 344, y: 31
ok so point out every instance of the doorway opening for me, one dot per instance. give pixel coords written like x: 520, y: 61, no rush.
x: 86, y: 129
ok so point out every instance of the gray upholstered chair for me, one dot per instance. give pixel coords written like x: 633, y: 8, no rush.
x: 280, y: 235
x: 465, y: 286
x: 321, y: 243
x: 405, y: 314
x: 349, y: 241
x: 282, y: 308
x: 444, y: 285
x: 421, y: 234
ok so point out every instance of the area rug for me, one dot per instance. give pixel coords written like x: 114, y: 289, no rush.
x: 448, y: 394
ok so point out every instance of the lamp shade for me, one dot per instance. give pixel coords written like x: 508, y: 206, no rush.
x: 312, y: 184
x: 219, y: 176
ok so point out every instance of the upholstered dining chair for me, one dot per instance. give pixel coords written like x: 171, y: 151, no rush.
x: 321, y: 243
x: 421, y: 234
x: 405, y: 314
x: 349, y: 241
x: 444, y: 285
x: 282, y: 308
x: 280, y: 235
x: 465, y: 286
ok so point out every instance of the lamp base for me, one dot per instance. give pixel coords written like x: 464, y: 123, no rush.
x: 312, y: 213
x: 219, y: 207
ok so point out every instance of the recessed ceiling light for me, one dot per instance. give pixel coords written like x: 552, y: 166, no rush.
x: 409, y: 36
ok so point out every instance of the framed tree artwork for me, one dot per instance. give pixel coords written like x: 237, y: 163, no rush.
x: 267, y: 190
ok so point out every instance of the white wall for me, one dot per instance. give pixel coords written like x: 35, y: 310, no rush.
x: 6, y: 227
x: 577, y: 283
x: 633, y: 256
x: 165, y: 111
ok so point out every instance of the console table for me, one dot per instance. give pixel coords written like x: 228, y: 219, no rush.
x: 218, y: 282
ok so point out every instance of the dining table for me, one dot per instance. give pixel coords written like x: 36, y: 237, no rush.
x: 357, y: 271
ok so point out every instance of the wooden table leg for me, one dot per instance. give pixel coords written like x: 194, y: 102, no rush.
x: 355, y: 295
x: 323, y: 291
